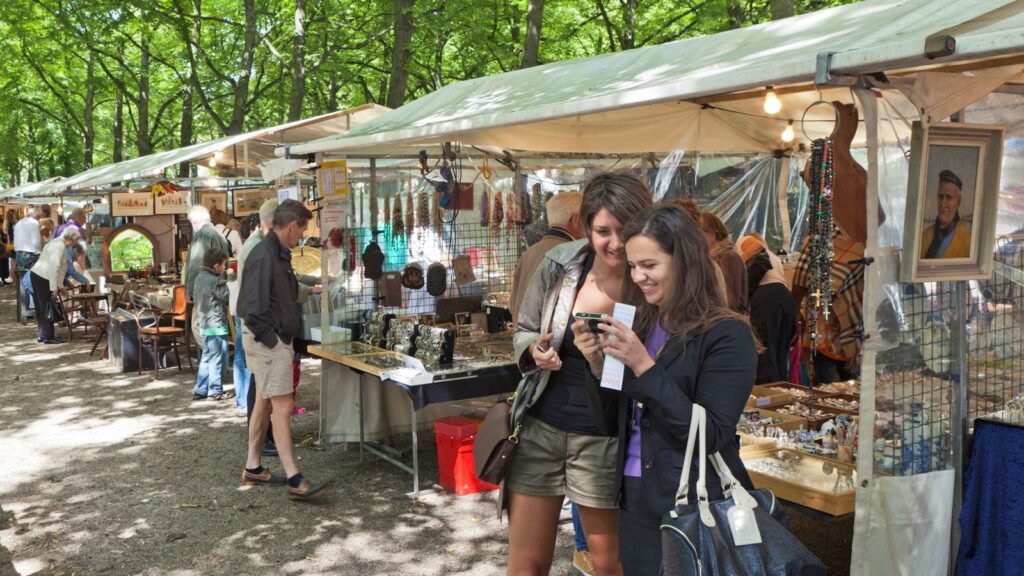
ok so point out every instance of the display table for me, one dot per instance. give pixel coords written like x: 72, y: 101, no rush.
x: 358, y: 404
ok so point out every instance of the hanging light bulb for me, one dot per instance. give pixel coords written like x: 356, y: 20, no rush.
x: 788, y: 135
x: 772, y: 104
x: 219, y: 154
x: 213, y: 161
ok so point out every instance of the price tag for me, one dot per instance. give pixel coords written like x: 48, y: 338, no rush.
x: 744, y: 526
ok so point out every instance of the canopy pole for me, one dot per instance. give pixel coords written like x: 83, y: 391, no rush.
x: 245, y: 158
x: 866, y: 430
x: 783, y: 200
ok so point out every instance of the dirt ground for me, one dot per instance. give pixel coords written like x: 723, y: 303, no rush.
x: 120, y: 474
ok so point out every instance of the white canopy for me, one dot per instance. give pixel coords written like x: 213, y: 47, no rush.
x: 26, y: 189
x: 656, y: 98
x: 230, y: 152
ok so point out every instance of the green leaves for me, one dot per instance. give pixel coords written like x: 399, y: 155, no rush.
x: 245, y: 63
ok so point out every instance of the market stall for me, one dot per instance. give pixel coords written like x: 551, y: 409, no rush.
x: 936, y: 349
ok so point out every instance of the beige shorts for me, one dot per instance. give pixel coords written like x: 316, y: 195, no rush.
x: 550, y: 462
x: 271, y: 367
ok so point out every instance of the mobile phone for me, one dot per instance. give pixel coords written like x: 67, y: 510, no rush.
x: 593, y: 320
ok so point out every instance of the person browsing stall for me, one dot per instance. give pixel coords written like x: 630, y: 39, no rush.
x: 204, y: 237
x: 568, y: 443
x: 272, y: 321
x: 694, y: 350
x: 563, y: 216
x: 563, y: 212
x: 211, y: 303
x: 48, y: 275
x: 28, y: 240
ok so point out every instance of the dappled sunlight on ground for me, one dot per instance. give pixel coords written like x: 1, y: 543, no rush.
x: 114, y: 473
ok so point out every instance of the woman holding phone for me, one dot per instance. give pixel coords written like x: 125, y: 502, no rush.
x: 694, y: 350
x: 568, y: 445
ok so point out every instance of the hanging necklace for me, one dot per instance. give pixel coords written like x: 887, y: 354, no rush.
x: 821, y: 229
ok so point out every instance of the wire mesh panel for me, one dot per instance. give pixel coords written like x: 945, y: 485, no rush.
x: 917, y: 382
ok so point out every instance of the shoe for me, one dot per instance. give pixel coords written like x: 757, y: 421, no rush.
x: 269, y: 450
x: 53, y: 341
x: 266, y: 477
x: 583, y: 563
x: 227, y: 394
x: 198, y: 397
x: 305, y: 491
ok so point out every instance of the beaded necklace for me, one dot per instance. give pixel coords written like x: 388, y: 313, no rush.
x: 821, y: 229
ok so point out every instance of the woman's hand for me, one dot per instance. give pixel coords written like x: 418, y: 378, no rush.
x: 618, y: 341
x: 589, y: 345
x: 543, y: 356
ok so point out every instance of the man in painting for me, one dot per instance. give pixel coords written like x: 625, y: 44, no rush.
x: 948, y: 237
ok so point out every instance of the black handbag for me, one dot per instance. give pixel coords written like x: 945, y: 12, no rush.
x: 739, y: 535
x: 499, y: 434
x: 55, y: 313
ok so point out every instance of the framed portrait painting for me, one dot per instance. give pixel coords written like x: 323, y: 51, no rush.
x: 952, y: 200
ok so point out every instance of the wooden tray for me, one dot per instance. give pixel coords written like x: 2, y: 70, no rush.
x: 767, y: 396
x: 788, y: 422
x: 824, y: 485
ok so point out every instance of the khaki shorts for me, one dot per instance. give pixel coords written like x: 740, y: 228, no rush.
x: 550, y: 462
x: 272, y: 367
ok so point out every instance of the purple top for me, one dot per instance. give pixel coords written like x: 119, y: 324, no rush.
x: 656, y: 339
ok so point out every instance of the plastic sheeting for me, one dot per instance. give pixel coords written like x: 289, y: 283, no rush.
x: 915, y: 398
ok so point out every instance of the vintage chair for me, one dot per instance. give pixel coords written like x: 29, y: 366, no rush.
x: 74, y: 311
x: 178, y: 316
x: 154, y: 336
x: 115, y: 299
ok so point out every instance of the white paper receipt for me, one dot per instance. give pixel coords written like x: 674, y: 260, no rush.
x: 614, y: 369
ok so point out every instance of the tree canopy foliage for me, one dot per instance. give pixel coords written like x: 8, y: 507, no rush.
x: 88, y: 82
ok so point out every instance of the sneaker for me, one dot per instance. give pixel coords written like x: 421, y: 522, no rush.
x: 264, y: 477
x: 305, y: 491
x: 583, y: 563
x: 198, y: 397
x: 269, y: 449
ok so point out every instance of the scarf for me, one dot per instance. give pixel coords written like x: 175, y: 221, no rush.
x: 941, y: 239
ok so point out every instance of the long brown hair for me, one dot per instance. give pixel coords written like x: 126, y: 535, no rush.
x: 693, y: 302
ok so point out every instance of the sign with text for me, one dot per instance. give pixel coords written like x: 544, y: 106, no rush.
x: 169, y: 199
x: 332, y: 179
x: 131, y: 204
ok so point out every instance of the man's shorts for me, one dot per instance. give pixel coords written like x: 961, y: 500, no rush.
x: 271, y: 367
x: 551, y: 462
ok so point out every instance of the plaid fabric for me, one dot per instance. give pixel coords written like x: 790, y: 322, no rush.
x: 841, y: 334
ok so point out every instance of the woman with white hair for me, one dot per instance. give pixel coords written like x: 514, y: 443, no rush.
x: 47, y: 276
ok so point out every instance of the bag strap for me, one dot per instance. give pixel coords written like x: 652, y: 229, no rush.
x: 730, y: 486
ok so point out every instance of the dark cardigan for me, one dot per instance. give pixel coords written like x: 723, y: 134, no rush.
x: 715, y: 369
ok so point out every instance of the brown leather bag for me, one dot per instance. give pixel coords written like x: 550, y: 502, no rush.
x: 499, y: 433
x: 494, y: 443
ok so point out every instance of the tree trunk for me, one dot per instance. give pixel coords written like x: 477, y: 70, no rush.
x: 782, y: 9
x: 629, y: 18
x: 142, y: 136
x: 241, y: 102
x: 89, y: 130
x: 187, y: 112
x: 534, y: 20
x: 298, y: 63
x: 735, y: 8
x: 400, y: 53
x: 118, y: 126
